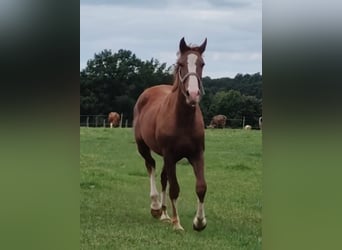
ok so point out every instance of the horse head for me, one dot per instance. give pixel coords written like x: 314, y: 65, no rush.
x: 189, y: 71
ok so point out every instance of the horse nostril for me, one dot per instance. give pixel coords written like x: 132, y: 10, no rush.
x: 187, y: 93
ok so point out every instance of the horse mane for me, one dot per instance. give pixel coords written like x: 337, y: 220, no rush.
x: 175, y: 77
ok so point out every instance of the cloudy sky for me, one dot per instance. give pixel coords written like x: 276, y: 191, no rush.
x: 152, y: 28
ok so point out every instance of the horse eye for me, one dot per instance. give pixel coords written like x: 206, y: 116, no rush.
x: 202, y: 64
x: 180, y: 64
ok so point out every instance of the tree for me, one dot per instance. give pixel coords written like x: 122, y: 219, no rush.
x: 113, y: 82
x: 234, y: 105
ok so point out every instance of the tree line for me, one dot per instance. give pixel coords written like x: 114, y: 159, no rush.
x: 114, y: 81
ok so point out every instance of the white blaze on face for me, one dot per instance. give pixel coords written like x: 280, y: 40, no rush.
x: 193, y: 81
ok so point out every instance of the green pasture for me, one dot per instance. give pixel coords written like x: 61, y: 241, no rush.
x: 115, y: 203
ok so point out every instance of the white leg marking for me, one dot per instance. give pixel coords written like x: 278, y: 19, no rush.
x: 175, y: 219
x: 154, y: 193
x: 199, y: 220
x: 200, y: 210
x: 164, y: 216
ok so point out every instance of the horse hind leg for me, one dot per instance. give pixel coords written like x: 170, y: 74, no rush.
x: 164, y: 216
x: 150, y: 164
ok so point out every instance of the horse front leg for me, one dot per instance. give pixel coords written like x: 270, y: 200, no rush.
x: 170, y: 167
x: 154, y: 195
x: 199, y: 222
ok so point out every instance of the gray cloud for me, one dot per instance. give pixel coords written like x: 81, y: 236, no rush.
x: 166, y: 3
x: 234, y: 35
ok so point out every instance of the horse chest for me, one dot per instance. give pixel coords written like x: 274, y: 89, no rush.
x: 182, y: 142
x: 185, y: 144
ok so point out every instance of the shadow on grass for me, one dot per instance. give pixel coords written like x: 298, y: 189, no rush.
x: 88, y: 185
x: 139, y: 174
x: 239, y: 166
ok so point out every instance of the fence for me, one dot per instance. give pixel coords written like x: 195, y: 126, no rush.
x: 242, y: 122
x: 102, y: 121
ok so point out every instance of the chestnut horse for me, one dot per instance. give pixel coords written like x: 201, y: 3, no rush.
x: 218, y: 121
x: 168, y: 120
x: 113, y: 119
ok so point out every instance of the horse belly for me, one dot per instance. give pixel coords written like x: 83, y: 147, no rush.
x: 149, y: 137
x: 148, y: 105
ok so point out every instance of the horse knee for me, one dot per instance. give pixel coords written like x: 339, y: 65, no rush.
x: 150, y: 164
x: 163, y: 179
x: 174, y: 191
x: 201, y: 189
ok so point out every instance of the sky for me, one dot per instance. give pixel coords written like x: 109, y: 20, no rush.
x: 153, y: 29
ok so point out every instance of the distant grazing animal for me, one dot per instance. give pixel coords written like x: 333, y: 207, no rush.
x: 260, y: 122
x: 218, y: 121
x: 248, y: 127
x: 168, y: 120
x: 114, y: 119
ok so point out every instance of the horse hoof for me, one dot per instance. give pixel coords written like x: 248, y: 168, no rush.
x: 156, y: 213
x: 176, y: 225
x: 198, y: 228
x: 178, y: 228
x: 165, y: 218
x: 199, y: 224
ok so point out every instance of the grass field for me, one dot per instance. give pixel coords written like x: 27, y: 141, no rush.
x: 115, y: 203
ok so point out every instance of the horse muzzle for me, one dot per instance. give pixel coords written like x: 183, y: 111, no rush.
x: 194, y: 87
x: 193, y: 97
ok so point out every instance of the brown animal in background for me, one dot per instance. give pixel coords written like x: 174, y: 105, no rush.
x: 114, y: 119
x: 218, y: 121
x: 168, y: 120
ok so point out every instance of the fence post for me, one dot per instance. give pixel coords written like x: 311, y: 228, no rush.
x: 87, y: 121
x: 126, y: 123
x: 121, y: 117
x: 243, y: 122
x: 104, y: 123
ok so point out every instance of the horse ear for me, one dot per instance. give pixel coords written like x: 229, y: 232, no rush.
x: 182, y: 46
x: 202, y: 47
